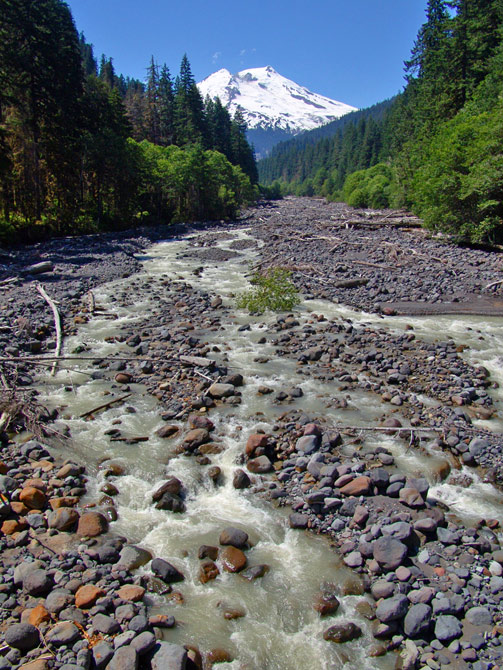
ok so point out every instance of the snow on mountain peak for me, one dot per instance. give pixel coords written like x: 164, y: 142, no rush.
x: 270, y: 101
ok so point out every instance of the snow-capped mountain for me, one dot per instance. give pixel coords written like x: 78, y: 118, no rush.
x: 270, y: 102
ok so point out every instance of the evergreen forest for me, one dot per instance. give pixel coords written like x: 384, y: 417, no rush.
x: 436, y: 148
x: 84, y: 149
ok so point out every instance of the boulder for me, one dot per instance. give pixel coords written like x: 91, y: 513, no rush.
x: 254, y: 572
x: 63, y: 633
x: 360, y: 486
x: 297, y: 520
x: 219, y: 390
x: 168, y: 656
x: 255, y: 441
x: 260, y: 465
x: 233, y: 536
x: 342, y: 632
x: 22, y: 636
x: 417, y: 621
x: 133, y: 557
x: 33, y: 498
x: 479, y: 616
x: 63, y: 518
x: 166, y: 571
x: 233, y: 559
x: 92, y: 524
x: 131, y: 593
x: 391, y: 609
x: 126, y: 658
x: 389, y: 553
x: 37, y: 583
x: 87, y: 596
x: 447, y: 628
x: 195, y: 438
x: 240, y: 479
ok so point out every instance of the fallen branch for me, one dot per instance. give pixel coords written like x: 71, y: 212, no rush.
x: 390, y: 429
x: 57, y: 324
x: 105, y: 405
x: 494, y: 283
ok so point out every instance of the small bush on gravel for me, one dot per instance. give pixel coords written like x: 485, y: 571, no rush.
x: 271, y: 290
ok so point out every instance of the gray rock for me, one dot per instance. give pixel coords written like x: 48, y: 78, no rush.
x: 37, y: 583
x: 125, y: 658
x: 308, y: 444
x: 102, y: 654
x: 399, y: 531
x: 22, y: 636
x: 447, y: 628
x: 144, y: 642
x: 354, y: 559
x: 167, y: 656
x: 240, y: 479
x: 24, y: 568
x: 105, y: 624
x: 389, y: 553
x: 138, y: 624
x: 63, y: 633
x: 382, y: 589
x: 297, y: 520
x: 478, y: 446
x: 132, y: 557
x: 417, y: 621
x: 124, y: 638
x: 391, y: 609
x: 234, y: 537
x: 479, y: 616
x: 58, y: 600
x: 219, y: 390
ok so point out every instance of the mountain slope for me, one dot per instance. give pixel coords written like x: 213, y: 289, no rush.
x: 274, y: 108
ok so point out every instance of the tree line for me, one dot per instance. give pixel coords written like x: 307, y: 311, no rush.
x: 438, y: 150
x: 82, y: 148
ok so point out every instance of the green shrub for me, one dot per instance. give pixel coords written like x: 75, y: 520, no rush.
x: 369, y: 188
x: 271, y: 290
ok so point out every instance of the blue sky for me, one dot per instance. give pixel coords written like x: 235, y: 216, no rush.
x: 349, y: 50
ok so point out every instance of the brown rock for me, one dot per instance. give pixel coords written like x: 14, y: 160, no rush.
x: 326, y: 603
x: 360, y: 486
x: 207, y: 551
x: 63, y: 518
x: 3, y: 468
x: 19, y: 508
x: 172, y: 485
x: 65, y: 501
x: 255, y: 441
x: 123, y: 378
x: 393, y: 424
x: 36, y: 482
x: 260, y: 465
x: 199, y: 421
x: 38, y: 615
x: 211, y: 448
x: 218, y: 656
x: 92, y: 524
x: 167, y: 431
x: 131, y: 592
x: 87, y: 596
x: 234, y: 613
x: 12, y: 526
x: 343, y: 632
x: 208, y: 571
x: 195, y: 438
x: 69, y: 470
x: 33, y: 498
x: 233, y: 559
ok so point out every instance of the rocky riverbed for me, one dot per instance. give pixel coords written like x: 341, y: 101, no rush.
x: 71, y: 596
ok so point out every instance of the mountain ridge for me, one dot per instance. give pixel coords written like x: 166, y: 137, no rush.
x: 274, y: 107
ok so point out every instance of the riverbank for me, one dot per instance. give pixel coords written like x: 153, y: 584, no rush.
x: 313, y: 462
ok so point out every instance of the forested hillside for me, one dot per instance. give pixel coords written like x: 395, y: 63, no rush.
x: 439, y: 148
x: 82, y: 148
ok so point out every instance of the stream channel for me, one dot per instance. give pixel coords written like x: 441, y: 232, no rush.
x: 281, y: 630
